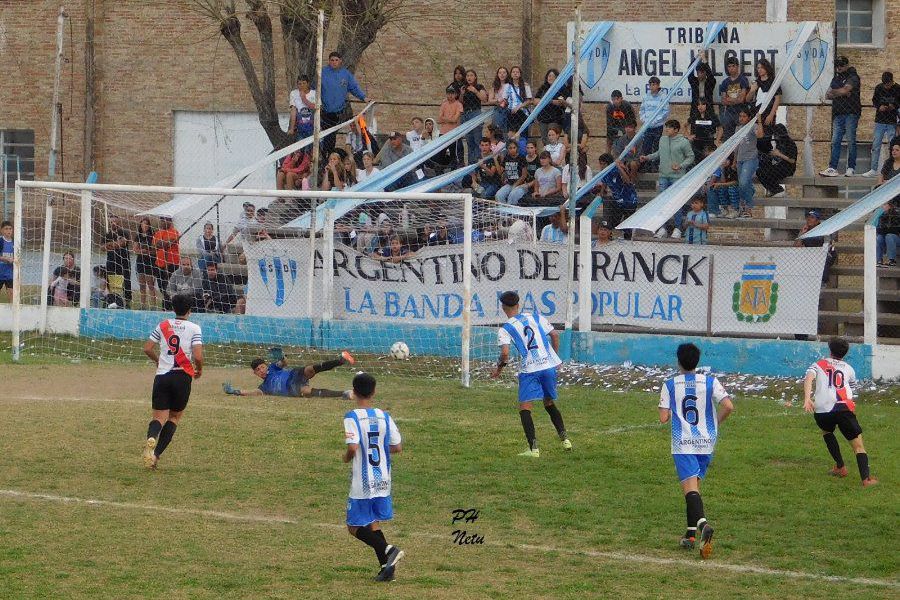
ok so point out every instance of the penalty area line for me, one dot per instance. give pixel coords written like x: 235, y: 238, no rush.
x: 712, y: 565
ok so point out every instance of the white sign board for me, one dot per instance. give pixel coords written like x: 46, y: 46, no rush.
x: 655, y: 286
x: 632, y: 52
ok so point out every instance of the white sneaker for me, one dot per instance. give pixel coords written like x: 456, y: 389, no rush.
x: 660, y: 233
x: 849, y: 173
x: 723, y: 214
x: 829, y: 172
x: 870, y: 173
x: 676, y: 234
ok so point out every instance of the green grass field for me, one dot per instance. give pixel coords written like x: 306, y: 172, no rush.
x: 249, y: 500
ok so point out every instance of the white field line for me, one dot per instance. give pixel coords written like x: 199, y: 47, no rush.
x: 609, y: 556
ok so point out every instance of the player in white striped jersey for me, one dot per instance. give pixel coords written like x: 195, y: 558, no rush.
x: 689, y: 401
x: 834, y: 407
x: 537, y: 343
x: 372, y: 437
x: 176, y: 347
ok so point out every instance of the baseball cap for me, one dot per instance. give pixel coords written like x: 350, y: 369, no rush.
x: 813, y: 213
x: 605, y: 225
x: 841, y: 61
x: 394, y: 134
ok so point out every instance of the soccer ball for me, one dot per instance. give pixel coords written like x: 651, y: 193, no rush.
x: 400, y: 351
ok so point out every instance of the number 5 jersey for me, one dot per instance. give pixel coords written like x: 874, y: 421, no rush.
x: 373, y: 430
x: 692, y: 398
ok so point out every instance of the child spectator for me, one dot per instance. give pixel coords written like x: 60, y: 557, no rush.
x: 59, y: 288
x: 486, y: 180
x: 414, y: 136
x: 6, y: 258
x: 696, y: 223
x: 619, y: 113
x: 99, y: 287
x: 675, y: 155
x: 303, y: 106
x: 555, y: 146
x: 723, y: 192
x: 394, y: 252
x: 449, y: 116
x: 334, y: 178
x: 887, y: 235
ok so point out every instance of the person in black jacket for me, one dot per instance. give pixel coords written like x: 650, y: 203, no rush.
x: 886, y: 101
x: 217, y: 293
x: 846, y: 108
x: 887, y: 235
x: 777, y: 158
x: 703, y: 83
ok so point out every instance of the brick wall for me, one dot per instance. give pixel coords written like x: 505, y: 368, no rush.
x: 154, y: 58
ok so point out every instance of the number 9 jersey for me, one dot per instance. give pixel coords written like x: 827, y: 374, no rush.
x: 692, y: 399
x: 176, y: 339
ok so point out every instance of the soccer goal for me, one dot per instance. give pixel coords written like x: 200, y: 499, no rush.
x: 97, y: 265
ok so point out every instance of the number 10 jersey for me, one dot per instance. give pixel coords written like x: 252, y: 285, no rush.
x: 692, y: 398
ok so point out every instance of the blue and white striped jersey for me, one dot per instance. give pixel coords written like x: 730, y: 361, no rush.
x: 531, y: 336
x: 373, y: 430
x: 692, y: 399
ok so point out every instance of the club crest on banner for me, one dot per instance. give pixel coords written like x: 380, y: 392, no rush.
x: 596, y: 64
x: 811, y: 61
x: 279, y: 276
x: 755, y: 297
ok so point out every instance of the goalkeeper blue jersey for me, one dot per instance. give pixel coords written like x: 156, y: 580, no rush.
x: 278, y: 381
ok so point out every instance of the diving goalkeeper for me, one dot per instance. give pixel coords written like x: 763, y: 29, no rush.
x: 279, y: 380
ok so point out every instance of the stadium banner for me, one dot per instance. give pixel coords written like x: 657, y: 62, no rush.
x: 632, y: 52
x: 646, y: 285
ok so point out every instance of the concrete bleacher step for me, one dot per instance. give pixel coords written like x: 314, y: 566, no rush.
x: 890, y: 273
x: 857, y: 294
x: 806, y: 203
x: 837, y: 316
x: 764, y: 223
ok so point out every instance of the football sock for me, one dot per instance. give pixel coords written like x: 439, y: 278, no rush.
x: 695, y: 516
x: 528, y: 426
x: 691, y: 532
x: 556, y: 418
x: 323, y: 393
x: 328, y: 365
x: 833, y: 448
x: 153, y: 429
x: 862, y: 461
x: 371, y: 538
x: 165, y: 436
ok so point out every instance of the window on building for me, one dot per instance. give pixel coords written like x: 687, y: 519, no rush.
x: 860, y: 22
x: 16, y: 156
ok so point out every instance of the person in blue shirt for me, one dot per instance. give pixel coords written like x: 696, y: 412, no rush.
x: 279, y: 380
x: 696, y: 222
x: 619, y: 185
x: 6, y: 258
x: 335, y: 84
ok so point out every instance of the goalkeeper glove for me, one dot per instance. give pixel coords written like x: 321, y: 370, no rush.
x: 276, y: 354
x: 230, y: 390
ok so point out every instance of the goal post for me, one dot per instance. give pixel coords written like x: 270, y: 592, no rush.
x: 363, y: 271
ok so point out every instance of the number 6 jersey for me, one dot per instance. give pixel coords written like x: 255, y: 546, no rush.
x: 692, y: 398
x: 531, y: 336
x: 176, y: 339
x: 834, y: 379
x: 373, y: 430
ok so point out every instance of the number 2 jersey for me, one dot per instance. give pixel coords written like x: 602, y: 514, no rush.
x: 834, y: 379
x: 692, y: 398
x: 373, y: 430
x: 176, y: 339
x: 531, y: 336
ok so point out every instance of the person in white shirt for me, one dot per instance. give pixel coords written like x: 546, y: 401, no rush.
x: 585, y: 174
x: 689, y: 400
x: 303, y: 107
x: 369, y: 167
x: 834, y: 407
x: 176, y: 348
x: 414, y: 136
x: 555, y: 146
x: 372, y: 439
x: 537, y: 344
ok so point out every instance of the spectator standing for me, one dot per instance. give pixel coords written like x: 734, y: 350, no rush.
x: 747, y: 157
x: 515, y: 173
x: 632, y: 158
x: 705, y: 128
x: 146, y: 270
x: 765, y: 77
x: 247, y: 218
x: 702, y: 82
x: 618, y: 187
x: 517, y: 94
x: 185, y: 280
x: 165, y: 240
x: 777, y: 158
x: 336, y: 83
x: 459, y: 80
x: 303, y: 108
x: 208, y: 247
x: 887, y: 235
x: 813, y: 218
x: 619, y: 113
x: 696, y: 223
x: 652, y: 101
x: 555, y: 112
x: 497, y: 97
x: 733, y: 94
x: 675, y: 155
x: 886, y: 101
x: 846, y: 109
x: 218, y: 294
x: 117, y: 242
x: 449, y: 117
x: 6, y: 258
x: 473, y: 96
